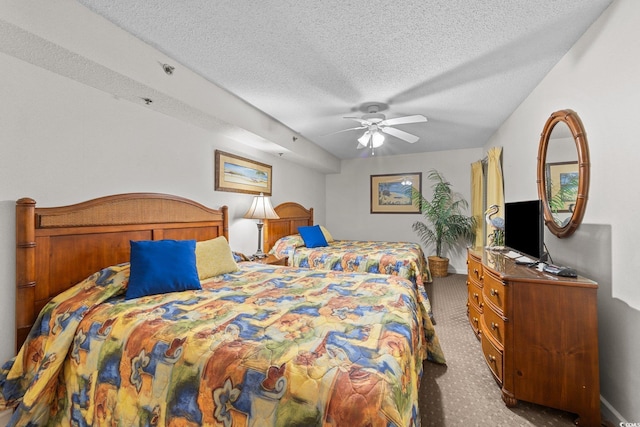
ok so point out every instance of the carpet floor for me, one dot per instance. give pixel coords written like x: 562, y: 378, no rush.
x: 464, y: 392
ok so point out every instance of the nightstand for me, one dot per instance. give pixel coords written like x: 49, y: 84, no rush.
x: 272, y: 260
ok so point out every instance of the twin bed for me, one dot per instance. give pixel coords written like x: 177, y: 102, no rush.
x: 256, y: 345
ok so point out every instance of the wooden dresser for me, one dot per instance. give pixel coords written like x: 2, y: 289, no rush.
x: 539, y: 333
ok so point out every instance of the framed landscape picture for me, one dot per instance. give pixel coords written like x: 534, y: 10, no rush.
x: 392, y: 193
x: 240, y: 175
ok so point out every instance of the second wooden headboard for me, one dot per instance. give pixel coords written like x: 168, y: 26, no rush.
x: 292, y: 215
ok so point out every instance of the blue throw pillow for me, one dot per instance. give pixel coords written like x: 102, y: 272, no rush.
x: 161, y: 266
x: 312, y: 236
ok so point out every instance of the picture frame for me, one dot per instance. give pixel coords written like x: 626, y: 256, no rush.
x: 390, y: 193
x: 241, y: 175
x: 563, y: 179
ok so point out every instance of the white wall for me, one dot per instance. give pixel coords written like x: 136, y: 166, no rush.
x: 599, y: 78
x: 348, y: 204
x: 63, y: 142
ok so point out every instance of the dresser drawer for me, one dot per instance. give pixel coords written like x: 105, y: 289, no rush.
x: 474, y: 316
x: 494, y: 325
x: 492, y: 356
x: 494, y: 290
x: 475, y: 294
x: 474, y: 269
x: 476, y: 282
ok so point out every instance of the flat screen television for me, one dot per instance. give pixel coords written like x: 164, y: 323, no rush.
x: 524, y: 228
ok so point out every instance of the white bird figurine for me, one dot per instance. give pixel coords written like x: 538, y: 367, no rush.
x: 494, y: 222
x: 497, y: 237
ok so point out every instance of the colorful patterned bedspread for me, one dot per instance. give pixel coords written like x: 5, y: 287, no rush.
x: 404, y: 259
x: 265, y: 346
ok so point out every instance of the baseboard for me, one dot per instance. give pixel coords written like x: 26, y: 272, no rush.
x: 610, y: 414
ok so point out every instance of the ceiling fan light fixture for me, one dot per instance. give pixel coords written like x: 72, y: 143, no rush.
x: 376, y: 126
x: 377, y: 139
x: 364, y: 139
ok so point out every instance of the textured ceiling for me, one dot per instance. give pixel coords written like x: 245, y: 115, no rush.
x: 464, y: 65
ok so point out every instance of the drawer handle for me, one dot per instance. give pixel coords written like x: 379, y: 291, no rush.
x: 493, y: 292
x: 492, y: 358
x: 475, y: 320
x: 475, y: 270
x: 475, y: 295
x: 494, y: 326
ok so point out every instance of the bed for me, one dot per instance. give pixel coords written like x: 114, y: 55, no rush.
x: 259, y: 345
x: 282, y: 238
x: 403, y: 259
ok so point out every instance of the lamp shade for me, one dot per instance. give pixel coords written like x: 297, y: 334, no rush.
x: 261, y: 208
x: 364, y: 139
x: 377, y: 139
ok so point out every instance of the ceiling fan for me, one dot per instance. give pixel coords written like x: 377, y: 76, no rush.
x: 376, y: 124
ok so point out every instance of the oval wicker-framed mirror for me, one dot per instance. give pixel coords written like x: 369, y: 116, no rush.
x: 563, y: 172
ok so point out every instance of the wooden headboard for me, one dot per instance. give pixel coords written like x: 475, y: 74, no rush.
x: 292, y: 215
x: 58, y: 247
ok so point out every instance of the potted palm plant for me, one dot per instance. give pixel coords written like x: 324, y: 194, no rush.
x: 446, y: 224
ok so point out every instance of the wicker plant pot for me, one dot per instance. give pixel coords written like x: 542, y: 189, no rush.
x: 439, y: 266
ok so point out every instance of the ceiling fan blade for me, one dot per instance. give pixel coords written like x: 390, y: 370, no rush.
x: 418, y: 118
x: 400, y: 134
x: 345, y: 130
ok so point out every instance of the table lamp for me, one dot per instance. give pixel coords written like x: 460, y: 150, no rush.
x: 261, y: 209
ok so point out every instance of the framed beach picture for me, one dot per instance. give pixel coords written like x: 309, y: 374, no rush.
x: 392, y: 193
x: 240, y: 175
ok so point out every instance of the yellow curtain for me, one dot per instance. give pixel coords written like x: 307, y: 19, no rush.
x: 495, y: 182
x: 477, y: 183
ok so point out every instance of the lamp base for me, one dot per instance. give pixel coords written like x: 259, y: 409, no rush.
x: 259, y: 253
